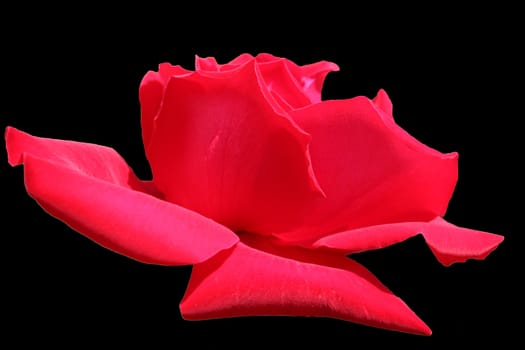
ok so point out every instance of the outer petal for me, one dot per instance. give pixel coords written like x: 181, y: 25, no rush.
x: 91, y: 189
x: 220, y: 148
x: 371, y: 171
x: 257, y: 279
x: 449, y: 243
x: 151, y: 92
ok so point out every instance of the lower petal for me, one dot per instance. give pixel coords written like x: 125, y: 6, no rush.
x: 255, y: 278
x: 449, y: 243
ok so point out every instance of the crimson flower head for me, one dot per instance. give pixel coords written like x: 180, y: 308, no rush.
x: 265, y: 188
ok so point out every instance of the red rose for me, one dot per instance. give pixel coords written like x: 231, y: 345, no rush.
x: 263, y: 187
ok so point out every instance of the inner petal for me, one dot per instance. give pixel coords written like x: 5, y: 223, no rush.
x: 219, y: 147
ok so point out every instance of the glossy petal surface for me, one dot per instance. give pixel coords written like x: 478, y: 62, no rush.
x: 91, y: 189
x: 258, y: 278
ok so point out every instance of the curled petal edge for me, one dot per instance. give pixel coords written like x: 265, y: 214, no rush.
x: 449, y: 243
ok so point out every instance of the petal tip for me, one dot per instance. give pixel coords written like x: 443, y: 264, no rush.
x: 14, y: 153
x: 441, y: 236
x: 451, y: 155
x: 334, y: 67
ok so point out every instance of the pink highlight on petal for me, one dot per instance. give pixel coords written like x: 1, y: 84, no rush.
x: 91, y: 189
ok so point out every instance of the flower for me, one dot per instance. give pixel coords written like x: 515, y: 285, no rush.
x: 263, y: 187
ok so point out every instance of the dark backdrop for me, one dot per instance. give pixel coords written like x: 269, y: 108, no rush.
x: 453, y: 87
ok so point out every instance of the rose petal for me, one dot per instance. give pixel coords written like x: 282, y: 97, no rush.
x: 449, y: 243
x: 280, y: 81
x: 371, y: 171
x: 383, y: 102
x: 268, y: 58
x: 241, y: 59
x: 303, y: 83
x: 296, y: 85
x: 209, y: 64
x: 257, y: 279
x: 151, y: 92
x: 221, y: 148
x: 91, y: 189
x: 206, y: 64
x: 311, y: 77
x: 275, y: 77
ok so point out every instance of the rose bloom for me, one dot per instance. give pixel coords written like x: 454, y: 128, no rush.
x: 263, y: 187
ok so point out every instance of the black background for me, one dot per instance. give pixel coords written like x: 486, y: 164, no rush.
x: 453, y: 78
